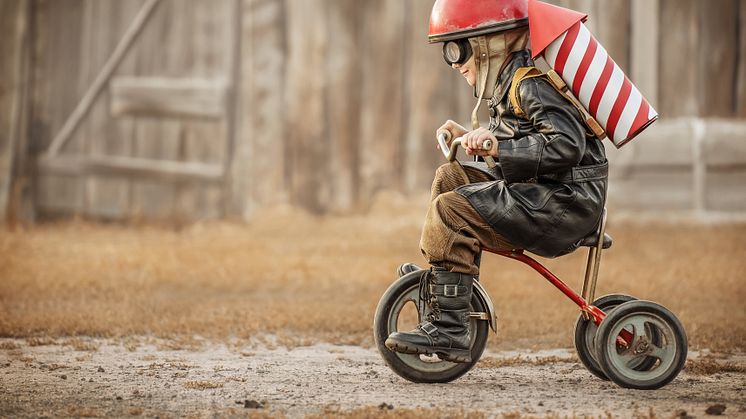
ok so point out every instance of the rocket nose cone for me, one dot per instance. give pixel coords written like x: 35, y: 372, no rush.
x: 547, y: 22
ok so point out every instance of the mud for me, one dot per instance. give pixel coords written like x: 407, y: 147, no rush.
x: 108, y: 378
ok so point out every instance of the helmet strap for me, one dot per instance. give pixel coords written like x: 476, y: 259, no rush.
x: 492, y: 53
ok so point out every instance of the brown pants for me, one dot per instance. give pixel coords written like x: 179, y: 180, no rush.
x: 454, y: 232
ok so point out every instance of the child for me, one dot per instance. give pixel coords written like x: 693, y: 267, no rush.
x: 546, y: 194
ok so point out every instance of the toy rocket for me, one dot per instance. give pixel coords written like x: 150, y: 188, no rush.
x: 594, y: 78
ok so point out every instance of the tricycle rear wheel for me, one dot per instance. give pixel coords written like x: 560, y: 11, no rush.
x: 653, y: 332
x: 585, y: 333
x: 585, y: 337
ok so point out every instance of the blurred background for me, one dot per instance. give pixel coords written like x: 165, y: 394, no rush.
x: 189, y: 109
x: 291, y: 145
x: 252, y: 172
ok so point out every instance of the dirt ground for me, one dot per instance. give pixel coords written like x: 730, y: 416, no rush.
x: 274, y: 318
x: 57, y: 380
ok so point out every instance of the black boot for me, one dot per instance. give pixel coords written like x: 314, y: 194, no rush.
x: 406, y: 268
x: 445, y: 329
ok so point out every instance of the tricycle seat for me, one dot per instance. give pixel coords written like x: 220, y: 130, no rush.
x: 592, y: 241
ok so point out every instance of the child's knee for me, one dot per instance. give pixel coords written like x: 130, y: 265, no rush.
x: 436, y: 231
x: 444, y: 171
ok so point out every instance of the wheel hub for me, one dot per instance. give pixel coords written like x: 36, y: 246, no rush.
x: 642, y: 347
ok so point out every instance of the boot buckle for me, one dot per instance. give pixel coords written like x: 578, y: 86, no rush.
x: 428, y: 328
x: 450, y: 290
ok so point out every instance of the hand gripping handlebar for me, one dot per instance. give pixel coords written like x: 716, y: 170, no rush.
x: 450, y: 152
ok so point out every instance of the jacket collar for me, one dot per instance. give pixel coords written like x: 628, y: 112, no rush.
x: 518, y: 59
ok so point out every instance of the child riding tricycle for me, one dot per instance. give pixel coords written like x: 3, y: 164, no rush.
x: 541, y: 188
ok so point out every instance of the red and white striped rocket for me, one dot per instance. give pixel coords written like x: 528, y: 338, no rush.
x: 594, y: 78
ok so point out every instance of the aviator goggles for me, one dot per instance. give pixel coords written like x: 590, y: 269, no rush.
x: 457, y: 52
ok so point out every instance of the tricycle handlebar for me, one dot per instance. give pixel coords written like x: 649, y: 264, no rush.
x: 450, y: 152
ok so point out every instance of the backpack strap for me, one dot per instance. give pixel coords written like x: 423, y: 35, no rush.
x: 525, y: 73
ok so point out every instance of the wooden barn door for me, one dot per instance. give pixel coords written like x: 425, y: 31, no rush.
x: 132, y: 106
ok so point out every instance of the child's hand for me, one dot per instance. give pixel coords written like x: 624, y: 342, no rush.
x: 454, y: 129
x: 473, y: 141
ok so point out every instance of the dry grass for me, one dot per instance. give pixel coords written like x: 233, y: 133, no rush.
x: 305, y: 279
x: 521, y: 360
x: 388, y: 411
x: 40, y: 341
x: 709, y: 366
x: 202, y: 385
x: 54, y: 367
x: 83, y: 412
x: 135, y: 411
x: 9, y: 345
x: 81, y: 345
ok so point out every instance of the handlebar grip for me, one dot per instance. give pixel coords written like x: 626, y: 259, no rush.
x: 487, y: 145
x: 450, y: 152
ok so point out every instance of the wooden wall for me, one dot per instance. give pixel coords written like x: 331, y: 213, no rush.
x: 14, y: 31
x: 183, y: 42
x: 317, y: 103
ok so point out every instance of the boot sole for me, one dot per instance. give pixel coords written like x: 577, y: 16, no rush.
x: 452, y: 355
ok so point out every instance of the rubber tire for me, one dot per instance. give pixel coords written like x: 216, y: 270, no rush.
x: 616, y: 315
x: 381, y: 331
x: 606, y: 304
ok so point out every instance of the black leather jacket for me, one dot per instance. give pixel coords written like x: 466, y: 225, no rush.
x: 552, y: 176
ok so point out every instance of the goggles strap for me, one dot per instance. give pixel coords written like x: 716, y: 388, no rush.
x: 482, y: 57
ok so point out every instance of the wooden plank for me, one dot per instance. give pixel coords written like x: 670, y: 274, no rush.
x: 14, y: 19
x: 643, y: 67
x: 209, y: 42
x: 741, y: 54
x: 58, y: 195
x: 214, y: 47
x: 23, y: 186
x: 160, y: 53
x: 381, y: 125
x: 718, y: 27
x: 307, y: 127
x: 157, y: 140
x: 430, y: 104
x: 678, y: 79
x: 343, y: 97
x: 261, y: 147
x: 240, y: 199
x: 102, y: 197
x: 56, y: 67
x: 168, y: 97
x: 644, y: 54
x: 110, y: 197
x: 611, y: 27
x: 132, y: 167
x: 235, y: 42
x: 57, y: 84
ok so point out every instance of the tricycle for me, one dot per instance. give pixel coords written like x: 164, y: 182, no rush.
x: 634, y: 343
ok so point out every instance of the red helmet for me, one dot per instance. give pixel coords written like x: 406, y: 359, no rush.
x: 454, y: 19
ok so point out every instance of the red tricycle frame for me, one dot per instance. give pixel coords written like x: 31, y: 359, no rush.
x: 589, y: 284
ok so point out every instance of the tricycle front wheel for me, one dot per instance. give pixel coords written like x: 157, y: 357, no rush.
x: 402, y: 295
